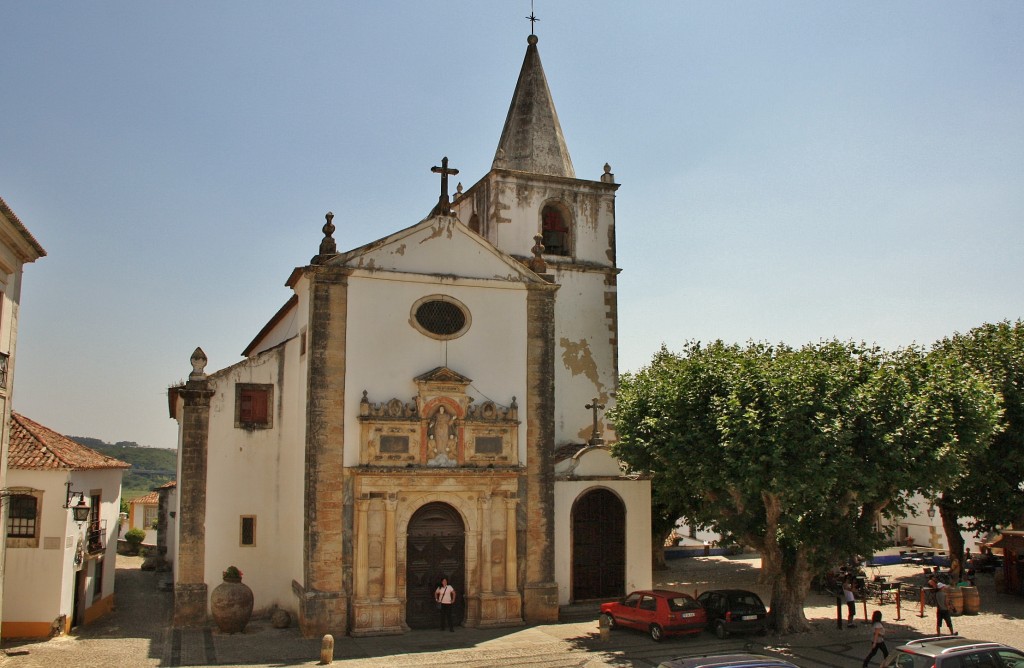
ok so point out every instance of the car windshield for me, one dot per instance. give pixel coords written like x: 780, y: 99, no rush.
x: 678, y: 603
x: 905, y: 660
x: 747, y: 602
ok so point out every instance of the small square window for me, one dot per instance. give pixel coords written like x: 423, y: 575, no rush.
x: 253, y: 406
x: 248, y: 531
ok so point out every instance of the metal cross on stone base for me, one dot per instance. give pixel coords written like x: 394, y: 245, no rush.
x: 444, y: 206
x: 595, y: 437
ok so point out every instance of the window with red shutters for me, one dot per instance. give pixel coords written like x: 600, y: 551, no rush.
x: 253, y: 406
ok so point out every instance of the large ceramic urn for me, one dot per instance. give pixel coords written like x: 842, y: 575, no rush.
x: 231, y: 603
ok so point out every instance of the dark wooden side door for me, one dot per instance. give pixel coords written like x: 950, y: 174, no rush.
x: 598, y: 546
x: 435, y: 548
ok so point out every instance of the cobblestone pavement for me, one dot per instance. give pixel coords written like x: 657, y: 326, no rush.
x: 138, y: 633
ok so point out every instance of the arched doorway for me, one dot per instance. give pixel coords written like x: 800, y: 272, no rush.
x: 436, y: 548
x: 598, y: 546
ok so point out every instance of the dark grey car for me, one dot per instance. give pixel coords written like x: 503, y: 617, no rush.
x: 734, y: 611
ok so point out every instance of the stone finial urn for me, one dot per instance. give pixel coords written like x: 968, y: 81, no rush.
x: 231, y: 603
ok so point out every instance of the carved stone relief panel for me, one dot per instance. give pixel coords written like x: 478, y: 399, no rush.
x: 440, y: 427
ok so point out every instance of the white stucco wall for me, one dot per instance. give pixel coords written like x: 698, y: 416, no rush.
x: 257, y: 473
x: 39, y: 581
x: 386, y: 352
x: 635, y: 495
x: 584, y: 356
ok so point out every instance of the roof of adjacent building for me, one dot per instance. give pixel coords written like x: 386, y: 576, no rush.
x: 20, y: 226
x: 532, y: 140
x: 151, y: 499
x: 35, y: 447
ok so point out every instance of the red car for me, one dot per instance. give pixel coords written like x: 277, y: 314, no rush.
x: 659, y: 612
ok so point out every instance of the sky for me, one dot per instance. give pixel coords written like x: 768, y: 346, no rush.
x: 790, y: 171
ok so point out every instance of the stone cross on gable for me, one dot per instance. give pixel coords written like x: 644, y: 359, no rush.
x: 443, y: 203
x: 595, y: 437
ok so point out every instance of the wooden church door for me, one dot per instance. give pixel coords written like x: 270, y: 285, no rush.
x: 436, y: 548
x: 598, y: 546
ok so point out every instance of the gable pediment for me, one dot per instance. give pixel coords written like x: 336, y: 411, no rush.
x: 443, y: 374
x: 439, y: 246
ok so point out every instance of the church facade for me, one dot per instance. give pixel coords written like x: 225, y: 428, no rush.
x: 428, y: 405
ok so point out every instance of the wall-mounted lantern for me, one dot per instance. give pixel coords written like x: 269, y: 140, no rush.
x: 931, y: 510
x: 80, y: 510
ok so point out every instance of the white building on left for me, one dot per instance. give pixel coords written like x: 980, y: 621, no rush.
x: 59, y: 571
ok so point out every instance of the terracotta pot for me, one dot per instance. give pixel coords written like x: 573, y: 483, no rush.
x: 231, y: 605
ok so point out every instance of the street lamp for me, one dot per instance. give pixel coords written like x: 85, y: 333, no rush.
x: 80, y: 510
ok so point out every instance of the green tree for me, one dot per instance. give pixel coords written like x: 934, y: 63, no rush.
x: 989, y: 487
x: 795, y: 452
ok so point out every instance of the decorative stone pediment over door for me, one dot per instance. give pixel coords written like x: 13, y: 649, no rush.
x: 441, y: 426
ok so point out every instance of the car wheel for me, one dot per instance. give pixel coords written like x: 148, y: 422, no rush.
x: 656, y: 634
x: 611, y: 622
x: 720, y: 630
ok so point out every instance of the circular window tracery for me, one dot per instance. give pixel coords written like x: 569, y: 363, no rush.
x: 440, y: 317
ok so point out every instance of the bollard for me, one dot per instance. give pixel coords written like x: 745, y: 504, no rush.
x: 605, y: 627
x: 839, y: 612
x: 921, y: 614
x: 327, y: 650
x: 865, y: 610
x: 898, y: 617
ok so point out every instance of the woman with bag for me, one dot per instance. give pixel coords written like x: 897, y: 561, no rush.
x: 445, y: 597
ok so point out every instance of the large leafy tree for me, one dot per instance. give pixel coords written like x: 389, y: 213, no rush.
x: 988, y: 489
x: 796, y: 452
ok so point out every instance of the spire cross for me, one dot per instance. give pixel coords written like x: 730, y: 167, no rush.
x: 443, y: 204
x: 595, y: 439
x: 532, y: 18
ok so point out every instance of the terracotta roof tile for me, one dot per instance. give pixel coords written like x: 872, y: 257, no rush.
x: 173, y: 483
x: 35, y: 447
x: 152, y: 498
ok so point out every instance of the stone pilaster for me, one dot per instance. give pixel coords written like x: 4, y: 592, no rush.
x: 322, y: 596
x: 540, y: 591
x: 190, y: 590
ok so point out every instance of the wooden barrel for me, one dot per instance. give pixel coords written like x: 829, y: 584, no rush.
x: 972, y: 600
x: 954, y: 600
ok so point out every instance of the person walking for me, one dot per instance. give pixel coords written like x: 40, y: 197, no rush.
x: 445, y: 597
x: 941, y: 607
x: 851, y: 603
x: 877, y: 639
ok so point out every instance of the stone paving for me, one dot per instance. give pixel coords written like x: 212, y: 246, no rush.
x: 138, y: 633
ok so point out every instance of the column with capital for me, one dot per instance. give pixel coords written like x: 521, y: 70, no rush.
x: 511, y: 561
x: 390, y: 548
x: 485, y: 544
x: 362, y: 549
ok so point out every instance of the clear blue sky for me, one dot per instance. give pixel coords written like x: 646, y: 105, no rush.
x: 791, y: 171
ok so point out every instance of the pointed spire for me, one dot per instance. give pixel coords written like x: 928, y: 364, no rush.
x: 532, y: 140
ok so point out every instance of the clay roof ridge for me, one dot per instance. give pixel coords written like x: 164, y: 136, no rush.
x: 34, y: 446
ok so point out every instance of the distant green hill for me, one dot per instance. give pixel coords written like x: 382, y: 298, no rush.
x: 151, y: 467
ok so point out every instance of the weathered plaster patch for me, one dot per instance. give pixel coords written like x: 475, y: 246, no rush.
x: 578, y: 359
x: 400, y: 250
x: 439, y: 229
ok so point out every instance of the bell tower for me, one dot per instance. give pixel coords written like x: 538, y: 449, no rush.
x: 532, y: 189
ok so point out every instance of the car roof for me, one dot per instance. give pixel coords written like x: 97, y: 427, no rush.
x: 935, y: 645
x: 667, y: 593
x: 731, y: 660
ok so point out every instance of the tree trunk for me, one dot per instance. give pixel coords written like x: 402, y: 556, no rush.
x: 954, y: 539
x: 790, y: 583
x: 658, y: 549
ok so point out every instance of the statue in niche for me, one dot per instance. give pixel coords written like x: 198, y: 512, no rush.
x: 443, y: 431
